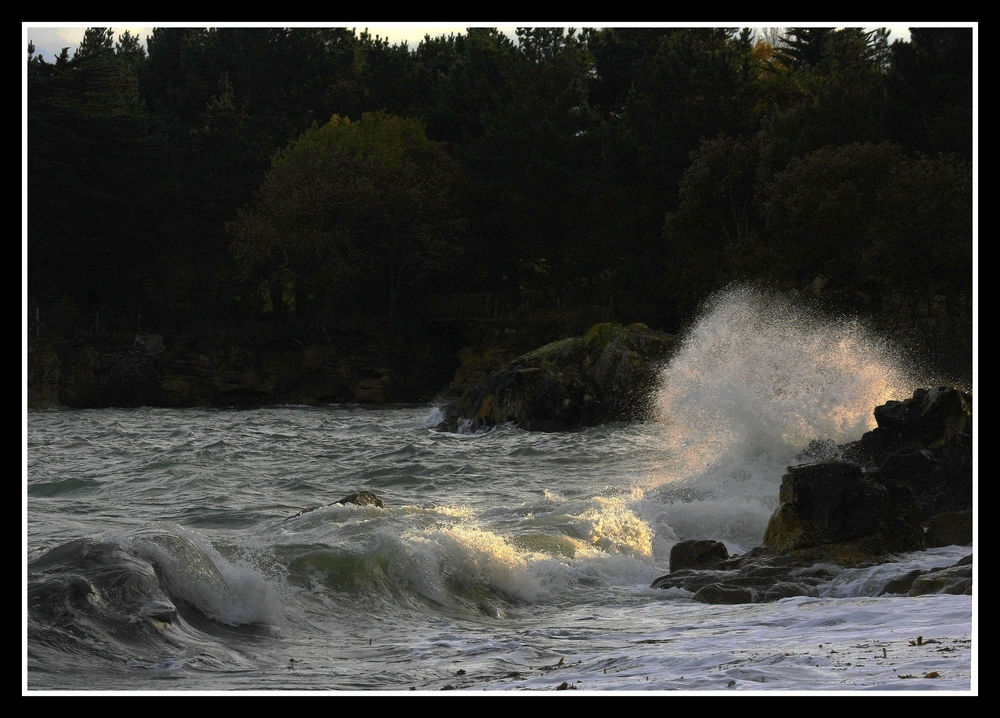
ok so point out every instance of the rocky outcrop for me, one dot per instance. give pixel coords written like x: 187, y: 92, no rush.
x: 756, y: 578
x: 906, y: 485
x: 738, y: 580
x: 605, y: 375
x: 951, y: 528
x: 955, y: 579
x: 885, y: 491
x: 833, y: 507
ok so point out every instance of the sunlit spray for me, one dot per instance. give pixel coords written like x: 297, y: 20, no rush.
x: 756, y: 379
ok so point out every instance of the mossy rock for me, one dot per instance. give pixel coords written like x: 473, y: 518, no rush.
x: 608, y: 374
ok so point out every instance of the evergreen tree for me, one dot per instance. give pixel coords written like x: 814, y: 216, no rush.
x: 97, y: 42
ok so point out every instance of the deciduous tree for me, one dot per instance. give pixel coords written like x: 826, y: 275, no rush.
x: 351, y: 218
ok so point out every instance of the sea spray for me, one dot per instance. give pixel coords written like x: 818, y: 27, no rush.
x: 754, y: 380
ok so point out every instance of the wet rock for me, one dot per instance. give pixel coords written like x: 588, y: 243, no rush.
x: 955, y: 580
x: 698, y: 553
x: 363, y: 498
x: 717, y: 593
x: 830, y: 502
x: 902, y: 584
x: 786, y: 589
x: 929, y: 418
x: 693, y: 580
x: 906, y: 485
x: 748, y: 580
x: 887, y: 487
x: 951, y: 528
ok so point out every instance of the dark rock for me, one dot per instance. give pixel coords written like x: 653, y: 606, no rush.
x: 717, y: 593
x: 761, y: 578
x: 919, y: 463
x: 693, y: 579
x: 606, y: 375
x: 901, y: 584
x: 913, y: 472
x: 699, y: 553
x: 831, y: 502
x: 930, y: 480
x: 955, y: 580
x: 930, y: 418
x: 748, y: 579
x: 952, y: 528
x: 363, y: 498
x: 787, y: 589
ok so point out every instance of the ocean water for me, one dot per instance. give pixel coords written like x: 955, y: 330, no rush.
x: 198, y: 550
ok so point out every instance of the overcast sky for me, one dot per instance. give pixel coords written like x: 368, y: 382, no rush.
x: 50, y: 38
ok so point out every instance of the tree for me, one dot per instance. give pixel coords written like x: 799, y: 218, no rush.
x: 826, y: 86
x: 886, y: 229
x: 129, y: 51
x: 89, y: 177
x: 712, y: 237
x: 930, y: 90
x: 97, y: 41
x: 351, y: 217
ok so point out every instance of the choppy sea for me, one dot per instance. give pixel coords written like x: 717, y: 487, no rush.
x: 202, y: 550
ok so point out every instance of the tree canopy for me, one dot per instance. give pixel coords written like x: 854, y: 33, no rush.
x: 350, y: 213
x: 201, y: 179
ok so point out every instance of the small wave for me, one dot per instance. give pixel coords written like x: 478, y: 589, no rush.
x: 60, y: 488
x: 434, y: 417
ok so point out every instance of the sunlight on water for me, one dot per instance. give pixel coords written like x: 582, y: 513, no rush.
x: 754, y: 381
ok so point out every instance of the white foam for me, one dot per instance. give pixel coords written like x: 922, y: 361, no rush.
x: 753, y: 382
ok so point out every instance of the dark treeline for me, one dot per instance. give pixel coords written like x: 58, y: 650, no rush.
x: 318, y: 181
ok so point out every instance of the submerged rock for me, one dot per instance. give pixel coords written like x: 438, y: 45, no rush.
x: 748, y: 579
x: 955, y: 580
x: 759, y: 578
x: 363, y: 498
x: 606, y: 375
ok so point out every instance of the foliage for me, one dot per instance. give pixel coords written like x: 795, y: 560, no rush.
x: 922, y: 235
x: 870, y: 215
x: 820, y: 211
x: 712, y: 237
x: 91, y: 146
x: 351, y: 217
x: 930, y: 91
x: 634, y: 168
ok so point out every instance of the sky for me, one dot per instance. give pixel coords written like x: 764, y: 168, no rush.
x: 49, y: 38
